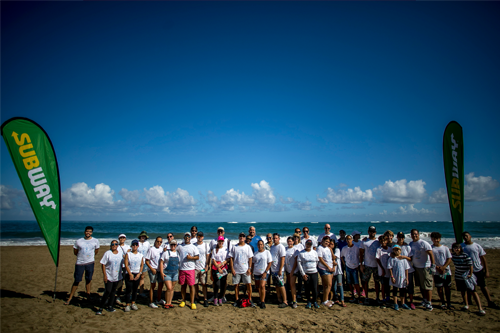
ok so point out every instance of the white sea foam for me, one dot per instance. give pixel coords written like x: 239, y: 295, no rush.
x: 252, y: 222
x: 232, y: 222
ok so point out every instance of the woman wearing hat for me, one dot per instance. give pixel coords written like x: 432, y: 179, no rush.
x: 143, y: 249
x: 134, y: 263
x: 111, y: 263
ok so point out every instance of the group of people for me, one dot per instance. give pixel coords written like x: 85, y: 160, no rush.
x: 346, y: 261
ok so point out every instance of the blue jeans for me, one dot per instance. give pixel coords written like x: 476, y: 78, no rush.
x: 338, y: 286
x: 352, y: 276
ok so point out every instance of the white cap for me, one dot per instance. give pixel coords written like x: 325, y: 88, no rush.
x: 122, y: 235
x: 355, y: 232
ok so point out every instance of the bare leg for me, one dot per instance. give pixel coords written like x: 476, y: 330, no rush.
x: 151, y: 290
x: 73, y: 290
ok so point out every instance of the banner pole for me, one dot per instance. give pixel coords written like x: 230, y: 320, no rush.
x: 55, y: 286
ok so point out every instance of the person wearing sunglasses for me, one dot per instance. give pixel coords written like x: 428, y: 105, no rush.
x: 328, y: 233
x: 111, y: 264
x: 188, y: 254
x: 152, y: 261
x: 307, y: 237
x: 219, y: 260
x: 134, y: 263
x: 194, y: 233
x: 241, y: 263
x: 227, y: 245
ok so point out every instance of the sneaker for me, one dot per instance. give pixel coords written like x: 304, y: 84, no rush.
x: 481, y: 313
x: 153, y: 305
x: 328, y: 304
x: 383, y: 306
x: 308, y: 305
x: 205, y: 303
x: 396, y: 307
x: 283, y: 305
x: 235, y: 304
x: 193, y: 306
x: 134, y: 307
x: 378, y: 301
x: 406, y: 307
x: 223, y: 300
x: 465, y: 308
x: 183, y: 304
x: 443, y: 306
x: 363, y: 294
x: 118, y: 300
x: 352, y: 300
x: 160, y: 302
x: 294, y: 305
x: 316, y: 305
x: 127, y: 309
x: 423, y: 303
x: 412, y: 306
x: 428, y: 307
x: 262, y: 305
x: 367, y: 301
x: 216, y: 302
x: 110, y: 309
x: 99, y: 312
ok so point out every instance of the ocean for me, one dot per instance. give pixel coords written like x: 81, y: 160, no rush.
x: 27, y: 233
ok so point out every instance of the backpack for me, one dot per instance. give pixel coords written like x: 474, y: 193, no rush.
x: 245, y: 303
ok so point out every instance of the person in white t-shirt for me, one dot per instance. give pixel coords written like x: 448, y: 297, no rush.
x: 383, y: 254
x: 194, y: 233
x: 307, y: 260
x: 326, y: 268
x: 306, y: 237
x: 152, y: 261
x: 337, y: 280
x: 85, y: 250
x: 241, y: 263
x: 480, y: 266
x: 169, y: 270
x: 327, y: 232
x: 133, y: 265
x: 201, y: 269
x: 111, y: 264
x: 278, y: 253
x: 261, y: 264
x: 219, y: 259
x: 144, y: 246
x: 442, y: 276
x: 188, y: 254
x: 295, y: 274
x: 227, y: 245
x: 423, y: 263
x: 123, y: 249
x: 350, y: 257
x: 369, y: 266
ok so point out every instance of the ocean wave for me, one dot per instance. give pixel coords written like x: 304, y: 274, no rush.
x: 232, y: 222
x: 252, y: 222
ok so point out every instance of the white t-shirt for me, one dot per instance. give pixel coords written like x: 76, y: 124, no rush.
x: 194, y: 240
x: 153, y: 256
x: 326, y: 254
x: 203, y: 250
x: 359, y: 243
x: 143, y: 249
x: 277, y: 252
x: 406, y: 251
x: 289, y: 258
x: 260, y: 261
x: 166, y: 255
x: 220, y: 256
x: 420, y: 257
x: 123, y: 249
x: 134, y: 262
x: 240, y: 255
x: 475, y: 251
x: 398, y: 271
x: 308, y: 262
x: 338, y: 268
x: 185, y: 249
x: 314, y: 242
x: 330, y: 234
x: 383, y: 255
x: 370, y: 246
x: 86, y: 250
x: 113, y: 263
x: 441, y: 254
x: 299, y: 247
x: 351, y: 256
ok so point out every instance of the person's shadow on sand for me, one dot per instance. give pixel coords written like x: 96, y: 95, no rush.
x: 13, y: 294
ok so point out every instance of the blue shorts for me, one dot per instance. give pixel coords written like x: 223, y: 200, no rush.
x: 87, y: 268
x: 324, y: 272
x: 171, y: 276
x: 352, y: 276
x: 153, y: 278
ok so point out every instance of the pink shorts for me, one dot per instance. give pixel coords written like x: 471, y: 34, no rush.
x: 187, y: 277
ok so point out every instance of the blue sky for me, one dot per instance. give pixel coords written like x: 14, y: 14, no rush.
x: 283, y: 111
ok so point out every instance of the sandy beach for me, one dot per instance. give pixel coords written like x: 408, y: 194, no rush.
x: 27, y: 284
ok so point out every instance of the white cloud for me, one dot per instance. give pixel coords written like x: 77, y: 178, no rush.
x: 346, y: 196
x: 80, y: 195
x: 402, y: 191
x: 439, y: 196
x: 477, y: 188
x: 286, y: 201
x: 263, y: 193
x: 176, y: 202
x: 9, y: 197
x: 411, y: 210
x: 303, y: 205
x: 132, y: 196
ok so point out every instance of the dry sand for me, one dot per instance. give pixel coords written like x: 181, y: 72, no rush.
x: 27, y: 284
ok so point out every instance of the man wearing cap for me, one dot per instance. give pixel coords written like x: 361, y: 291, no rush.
x: 327, y: 233
x: 188, y: 254
x: 201, y: 266
x: 254, y: 239
x: 85, y: 250
x: 152, y: 261
x: 369, y: 265
x: 143, y: 249
x: 278, y: 253
x: 241, y: 261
